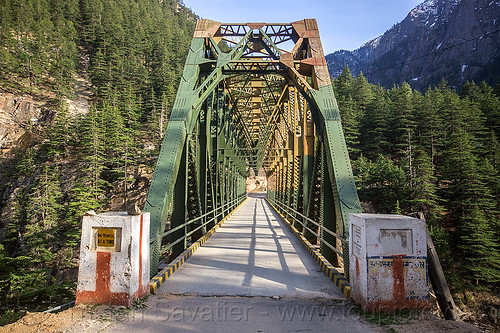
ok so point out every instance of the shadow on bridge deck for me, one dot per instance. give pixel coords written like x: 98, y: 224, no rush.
x: 252, y: 275
x: 252, y: 254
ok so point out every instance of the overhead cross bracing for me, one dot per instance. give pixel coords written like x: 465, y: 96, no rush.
x: 253, y: 95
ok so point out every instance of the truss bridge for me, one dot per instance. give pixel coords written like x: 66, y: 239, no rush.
x: 253, y: 96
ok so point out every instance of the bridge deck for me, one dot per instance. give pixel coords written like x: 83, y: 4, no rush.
x: 252, y: 254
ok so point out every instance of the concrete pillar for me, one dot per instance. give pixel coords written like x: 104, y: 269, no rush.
x: 114, y: 259
x: 388, y: 262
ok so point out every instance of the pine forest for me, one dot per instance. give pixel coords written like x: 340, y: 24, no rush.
x: 434, y: 152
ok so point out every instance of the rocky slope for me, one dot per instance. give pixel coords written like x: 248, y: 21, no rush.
x: 458, y: 40
x: 17, y: 115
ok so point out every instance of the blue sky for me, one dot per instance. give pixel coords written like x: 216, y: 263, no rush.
x: 343, y: 24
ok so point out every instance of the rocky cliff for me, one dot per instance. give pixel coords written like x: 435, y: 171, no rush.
x: 20, y: 116
x: 458, y: 40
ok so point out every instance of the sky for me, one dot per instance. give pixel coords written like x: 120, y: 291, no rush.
x: 343, y: 24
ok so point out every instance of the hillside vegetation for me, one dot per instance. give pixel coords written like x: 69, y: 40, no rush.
x: 83, y: 161
x: 434, y: 152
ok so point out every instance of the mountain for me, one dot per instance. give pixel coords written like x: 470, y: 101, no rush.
x: 458, y: 40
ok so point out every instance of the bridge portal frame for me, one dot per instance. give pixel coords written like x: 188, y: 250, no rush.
x: 244, y: 102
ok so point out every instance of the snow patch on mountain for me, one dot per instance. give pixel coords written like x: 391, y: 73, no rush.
x: 413, y: 50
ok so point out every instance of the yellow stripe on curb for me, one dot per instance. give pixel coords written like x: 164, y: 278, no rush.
x: 331, y: 272
x: 165, y: 273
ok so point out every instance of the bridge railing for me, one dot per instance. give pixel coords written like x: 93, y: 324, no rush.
x: 305, y: 222
x: 215, y: 216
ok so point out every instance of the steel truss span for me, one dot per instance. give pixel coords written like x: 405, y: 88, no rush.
x: 253, y: 95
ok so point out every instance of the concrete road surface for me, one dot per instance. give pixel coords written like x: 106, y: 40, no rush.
x: 252, y: 275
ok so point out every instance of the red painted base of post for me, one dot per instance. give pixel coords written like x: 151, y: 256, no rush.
x: 121, y: 258
x: 102, y: 293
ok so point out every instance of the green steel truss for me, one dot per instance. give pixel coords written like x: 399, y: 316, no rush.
x: 253, y: 95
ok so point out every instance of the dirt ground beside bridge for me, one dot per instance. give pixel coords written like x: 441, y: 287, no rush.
x: 87, y: 319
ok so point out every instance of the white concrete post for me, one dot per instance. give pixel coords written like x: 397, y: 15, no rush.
x: 388, y: 262
x: 114, y: 258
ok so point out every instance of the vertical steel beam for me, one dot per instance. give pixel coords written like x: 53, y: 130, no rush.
x: 307, y: 169
x: 328, y: 219
x: 179, y: 206
x: 202, y: 165
x: 314, y: 197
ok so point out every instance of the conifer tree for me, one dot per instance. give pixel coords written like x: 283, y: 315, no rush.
x: 402, y: 123
x: 43, y: 214
x: 61, y: 133
x: 430, y: 128
x: 487, y: 101
x: 424, y: 190
x: 349, y: 109
x: 374, y: 128
x: 343, y: 84
x: 472, y: 205
x: 350, y: 125
x: 86, y: 194
x: 362, y: 92
x: 480, y: 245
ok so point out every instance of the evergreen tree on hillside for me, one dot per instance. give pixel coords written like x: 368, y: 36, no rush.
x: 401, y: 122
x: 135, y: 48
x: 429, y: 123
x: 473, y: 206
x: 489, y: 103
x: 374, y: 126
x: 350, y: 125
x: 343, y: 84
x: 362, y: 92
x: 349, y: 110
x: 61, y: 133
x: 43, y: 213
x: 87, y: 190
x: 424, y: 196
x: 382, y: 182
x: 92, y: 145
